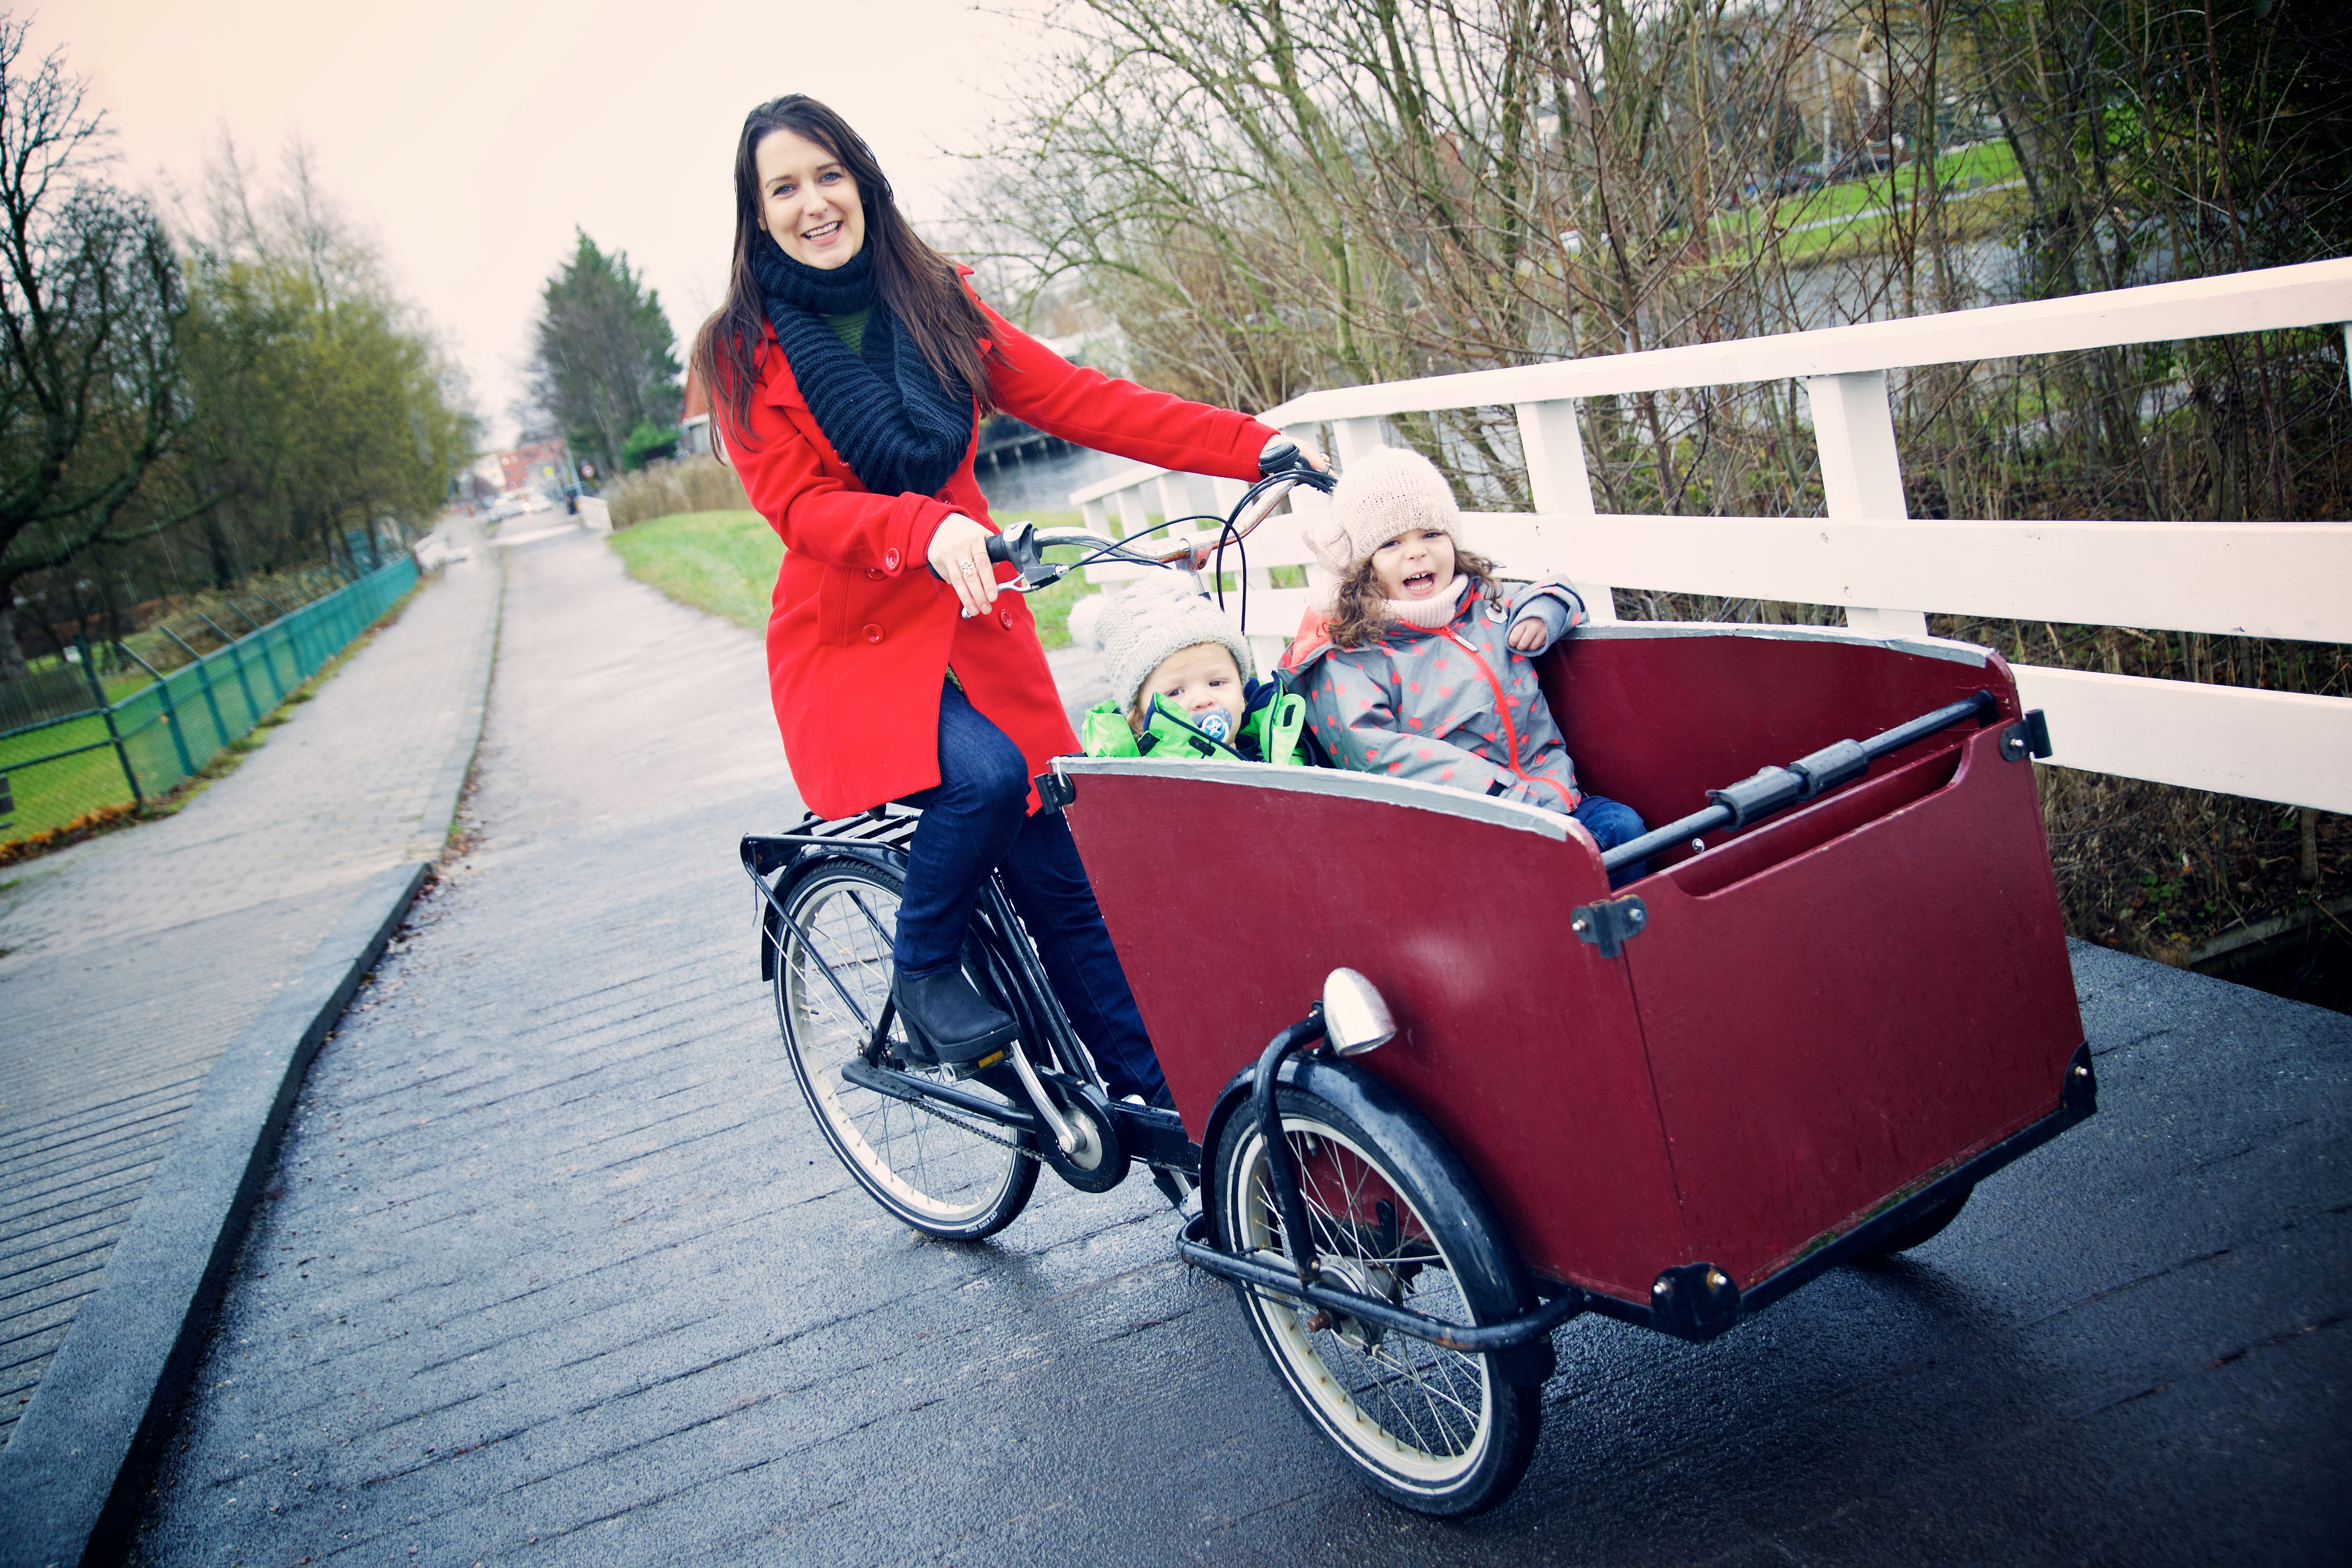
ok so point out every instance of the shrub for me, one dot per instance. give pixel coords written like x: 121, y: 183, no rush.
x: 647, y: 443
x: 665, y: 488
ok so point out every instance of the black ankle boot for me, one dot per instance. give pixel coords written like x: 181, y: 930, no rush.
x: 946, y: 1014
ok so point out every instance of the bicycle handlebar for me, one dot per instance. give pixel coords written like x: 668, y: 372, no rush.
x: 1024, y: 545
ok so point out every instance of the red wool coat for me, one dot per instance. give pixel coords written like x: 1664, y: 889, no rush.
x: 860, y: 633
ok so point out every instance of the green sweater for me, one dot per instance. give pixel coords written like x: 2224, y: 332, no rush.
x: 850, y: 329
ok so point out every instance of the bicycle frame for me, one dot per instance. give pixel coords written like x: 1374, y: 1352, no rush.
x: 1154, y: 1137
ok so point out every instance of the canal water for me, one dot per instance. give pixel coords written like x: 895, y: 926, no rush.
x: 1044, y: 484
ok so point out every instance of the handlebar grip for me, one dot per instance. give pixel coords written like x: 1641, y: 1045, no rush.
x: 998, y: 549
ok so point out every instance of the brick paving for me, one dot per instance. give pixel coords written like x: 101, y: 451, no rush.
x: 129, y: 963
x: 555, y: 1268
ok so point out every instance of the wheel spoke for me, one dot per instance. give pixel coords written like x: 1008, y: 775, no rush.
x: 936, y: 1170
x: 1409, y: 1404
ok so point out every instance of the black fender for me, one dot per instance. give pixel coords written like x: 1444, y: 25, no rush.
x: 1475, y: 1235
x: 790, y: 875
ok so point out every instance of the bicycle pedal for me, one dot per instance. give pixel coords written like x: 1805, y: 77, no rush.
x: 958, y: 1071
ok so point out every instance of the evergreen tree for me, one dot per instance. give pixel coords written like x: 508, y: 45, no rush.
x: 603, y: 356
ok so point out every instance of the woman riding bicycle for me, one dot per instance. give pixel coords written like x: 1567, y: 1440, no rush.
x: 849, y: 369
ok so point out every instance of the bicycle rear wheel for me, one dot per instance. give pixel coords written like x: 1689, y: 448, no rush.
x: 1436, y: 1430
x: 946, y: 1173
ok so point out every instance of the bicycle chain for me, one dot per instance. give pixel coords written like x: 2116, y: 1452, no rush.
x: 928, y: 1104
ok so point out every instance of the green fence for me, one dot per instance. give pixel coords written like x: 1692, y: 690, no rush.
x: 141, y: 745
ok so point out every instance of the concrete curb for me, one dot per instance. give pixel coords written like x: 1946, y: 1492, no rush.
x: 441, y: 805
x: 70, y: 1477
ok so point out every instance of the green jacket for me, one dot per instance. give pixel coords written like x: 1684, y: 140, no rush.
x: 1271, y: 725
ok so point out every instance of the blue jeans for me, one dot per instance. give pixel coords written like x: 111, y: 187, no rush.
x: 975, y: 821
x: 1611, y: 825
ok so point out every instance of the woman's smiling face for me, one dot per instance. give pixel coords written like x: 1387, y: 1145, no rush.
x: 808, y: 201
x: 1416, y: 564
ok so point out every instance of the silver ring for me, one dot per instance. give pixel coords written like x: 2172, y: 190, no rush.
x: 964, y: 565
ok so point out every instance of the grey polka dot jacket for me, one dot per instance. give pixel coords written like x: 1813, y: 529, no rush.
x: 1422, y: 704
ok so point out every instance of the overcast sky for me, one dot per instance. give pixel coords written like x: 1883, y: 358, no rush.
x: 472, y: 136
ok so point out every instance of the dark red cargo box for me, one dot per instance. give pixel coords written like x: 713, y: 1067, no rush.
x: 1819, y: 1016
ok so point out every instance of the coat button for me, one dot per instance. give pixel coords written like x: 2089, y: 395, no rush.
x: 890, y: 559
x: 873, y: 632
x: 1004, y: 619
x: 875, y: 572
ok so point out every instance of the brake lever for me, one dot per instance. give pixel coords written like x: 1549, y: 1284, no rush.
x: 1019, y: 546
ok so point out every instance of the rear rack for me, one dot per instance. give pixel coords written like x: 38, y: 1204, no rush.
x: 883, y: 828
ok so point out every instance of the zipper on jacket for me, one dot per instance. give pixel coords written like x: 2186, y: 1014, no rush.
x: 1503, y: 711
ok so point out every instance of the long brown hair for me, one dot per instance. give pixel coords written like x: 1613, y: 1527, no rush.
x: 1361, y: 617
x: 919, y: 284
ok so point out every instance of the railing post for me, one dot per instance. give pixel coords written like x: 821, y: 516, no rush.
x: 170, y: 711
x: 278, y: 616
x: 243, y: 684
x: 269, y: 661
x: 1225, y: 495
x: 106, y: 711
x: 1558, y: 482
x: 1861, y: 473
x: 1308, y: 503
x: 1134, y: 517
x: 1175, y: 495
x: 1354, y: 438
x: 203, y: 684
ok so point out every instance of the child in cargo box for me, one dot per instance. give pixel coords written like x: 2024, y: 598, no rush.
x: 1424, y: 669
x: 1183, y: 682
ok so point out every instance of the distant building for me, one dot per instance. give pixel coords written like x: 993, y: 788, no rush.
x: 537, y: 467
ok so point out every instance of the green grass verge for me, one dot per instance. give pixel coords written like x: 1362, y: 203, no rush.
x: 54, y: 795
x: 725, y: 562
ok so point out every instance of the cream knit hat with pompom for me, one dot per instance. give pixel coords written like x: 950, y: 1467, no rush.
x: 1384, y: 492
x: 1151, y: 618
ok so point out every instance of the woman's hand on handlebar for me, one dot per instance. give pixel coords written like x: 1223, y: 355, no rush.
x: 958, y: 555
x: 1282, y: 452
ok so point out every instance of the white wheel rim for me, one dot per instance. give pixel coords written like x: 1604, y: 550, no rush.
x: 928, y: 1166
x: 1419, y: 1413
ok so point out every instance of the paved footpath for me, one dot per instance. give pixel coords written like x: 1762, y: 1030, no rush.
x: 556, y: 1269
x: 130, y: 963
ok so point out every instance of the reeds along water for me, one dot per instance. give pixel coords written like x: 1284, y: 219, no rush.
x: 699, y: 483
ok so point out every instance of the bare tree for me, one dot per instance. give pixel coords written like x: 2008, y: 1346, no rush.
x: 1268, y: 197
x: 90, y: 302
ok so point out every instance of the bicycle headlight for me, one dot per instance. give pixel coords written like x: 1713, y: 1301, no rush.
x: 1356, y: 1017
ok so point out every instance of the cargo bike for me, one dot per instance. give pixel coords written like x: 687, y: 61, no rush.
x: 1450, y: 1089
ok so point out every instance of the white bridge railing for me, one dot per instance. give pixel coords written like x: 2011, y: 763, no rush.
x: 1866, y: 555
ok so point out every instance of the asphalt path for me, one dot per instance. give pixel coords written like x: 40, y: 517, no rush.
x: 556, y: 1269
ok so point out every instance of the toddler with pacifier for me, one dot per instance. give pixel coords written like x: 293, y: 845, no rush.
x: 1183, y: 682
x: 1423, y: 667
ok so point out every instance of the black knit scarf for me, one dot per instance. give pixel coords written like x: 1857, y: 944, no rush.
x: 892, y: 422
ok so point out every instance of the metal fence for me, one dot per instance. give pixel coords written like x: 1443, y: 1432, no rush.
x: 43, y: 697
x: 156, y: 738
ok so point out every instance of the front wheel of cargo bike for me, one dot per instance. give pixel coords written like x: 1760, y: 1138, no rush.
x: 946, y: 1173
x: 1433, y: 1429
x: 1922, y: 1229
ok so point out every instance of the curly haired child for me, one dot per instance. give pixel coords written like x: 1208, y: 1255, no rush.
x: 1428, y: 671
